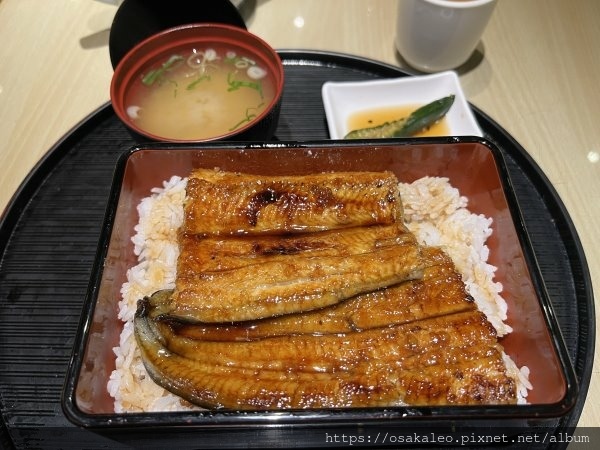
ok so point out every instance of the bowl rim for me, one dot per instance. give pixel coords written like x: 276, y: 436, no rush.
x: 135, y: 58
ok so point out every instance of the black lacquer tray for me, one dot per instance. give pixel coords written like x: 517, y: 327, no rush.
x: 48, y: 240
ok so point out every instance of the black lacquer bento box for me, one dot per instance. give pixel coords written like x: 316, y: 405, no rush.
x: 473, y: 165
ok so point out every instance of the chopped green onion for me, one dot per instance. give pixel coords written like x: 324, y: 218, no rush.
x: 153, y: 75
x: 193, y: 84
x: 175, y: 86
x: 248, y: 118
x: 236, y: 84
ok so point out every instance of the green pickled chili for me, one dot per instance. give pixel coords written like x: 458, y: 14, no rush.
x: 425, y: 116
x: 417, y: 121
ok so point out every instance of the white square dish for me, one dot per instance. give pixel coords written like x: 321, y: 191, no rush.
x: 342, y: 99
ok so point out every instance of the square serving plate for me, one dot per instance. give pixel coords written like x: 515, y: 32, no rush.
x: 536, y: 341
x: 343, y: 99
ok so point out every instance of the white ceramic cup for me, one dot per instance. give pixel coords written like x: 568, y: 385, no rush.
x: 436, y: 35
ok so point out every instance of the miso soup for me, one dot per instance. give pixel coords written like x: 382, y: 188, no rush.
x: 200, y: 93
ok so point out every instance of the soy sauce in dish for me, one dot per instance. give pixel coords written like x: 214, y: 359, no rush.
x: 377, y: 116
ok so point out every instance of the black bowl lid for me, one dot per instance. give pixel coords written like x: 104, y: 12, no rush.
x: 135, y: 20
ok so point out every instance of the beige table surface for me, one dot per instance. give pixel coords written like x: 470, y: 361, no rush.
x: 539, y: 79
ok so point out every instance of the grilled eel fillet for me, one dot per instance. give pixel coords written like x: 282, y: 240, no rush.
x: 249, y: 278
x: 441, y: 350
x: 452, y: 359
x: 253, y: 247
x: 228, y: 203
x: 440, y: 291
x: 297, y: 271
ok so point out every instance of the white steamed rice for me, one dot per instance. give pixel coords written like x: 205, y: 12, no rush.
x: 434, y: 211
